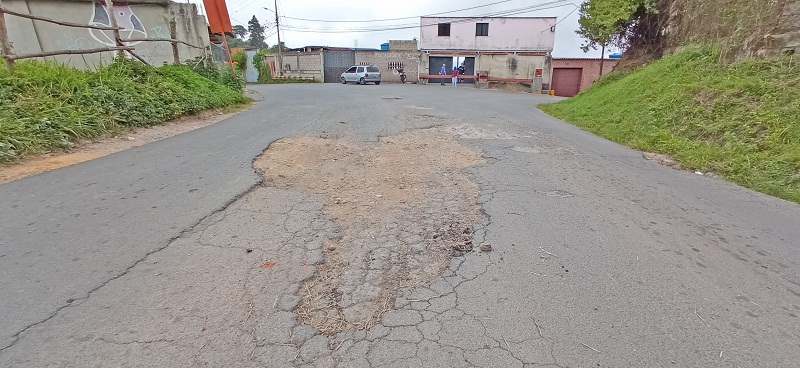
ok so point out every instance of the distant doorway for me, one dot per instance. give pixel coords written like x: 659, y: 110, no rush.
x: 469, y: 67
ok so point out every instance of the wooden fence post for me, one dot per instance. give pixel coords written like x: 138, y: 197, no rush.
x: 173, y: 33
x: 113, y: 19
x: 4, y: 41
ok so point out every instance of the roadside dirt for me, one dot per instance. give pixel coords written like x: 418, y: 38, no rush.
x: 88, y: 150
x: 403, y: 206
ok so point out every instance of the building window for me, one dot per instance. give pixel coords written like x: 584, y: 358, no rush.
x: 444, y: 29
x: 482, y: 29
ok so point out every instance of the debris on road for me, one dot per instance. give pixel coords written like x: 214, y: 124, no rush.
x: 662, y: 159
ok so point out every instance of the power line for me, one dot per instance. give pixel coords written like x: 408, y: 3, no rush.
x: 395, y: 27
x: 566, y: 16
x: 392, y: 19
x: 242, y: 5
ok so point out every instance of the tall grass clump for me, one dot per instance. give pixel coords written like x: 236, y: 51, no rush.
x: 46, y: 106
x: 738, y: 120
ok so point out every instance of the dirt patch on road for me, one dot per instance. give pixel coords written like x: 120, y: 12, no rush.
x: 89, y: 150
x: 404, y: 206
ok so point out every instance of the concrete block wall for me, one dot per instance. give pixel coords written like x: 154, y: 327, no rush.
x: 510, y: 65
x: 591, y: 68
x: 29, y: 36
x: 300, y: 64
x: 422, y: 68
x: 382, y: 59
x: 403, y: 45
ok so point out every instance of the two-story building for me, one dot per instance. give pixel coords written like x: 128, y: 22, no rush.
x: 512, y: 49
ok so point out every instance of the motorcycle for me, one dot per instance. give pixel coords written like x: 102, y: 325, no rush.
x: 402, y: 74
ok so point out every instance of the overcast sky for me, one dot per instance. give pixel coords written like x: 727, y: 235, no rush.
x: 326, y: 29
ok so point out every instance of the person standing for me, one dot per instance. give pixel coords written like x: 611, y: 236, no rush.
x: 461, y: 71
x: 455, y: 76
x: 443, y: 71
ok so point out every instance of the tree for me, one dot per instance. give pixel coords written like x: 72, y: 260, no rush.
x: 274, y: 48
x: 604, y: 22
x: 256, y: 34
x: 235, y: 42
x: 239, y: 31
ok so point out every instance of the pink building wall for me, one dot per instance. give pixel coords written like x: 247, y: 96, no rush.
x: 505, y: 34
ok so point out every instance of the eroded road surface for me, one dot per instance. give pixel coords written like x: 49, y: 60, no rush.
x: 342, y: 226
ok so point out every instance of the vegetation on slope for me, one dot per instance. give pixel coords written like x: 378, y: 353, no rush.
x: 46, y: 106
x: 739, y: 120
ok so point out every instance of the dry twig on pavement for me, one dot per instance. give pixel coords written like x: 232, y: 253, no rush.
x: 701, y: 318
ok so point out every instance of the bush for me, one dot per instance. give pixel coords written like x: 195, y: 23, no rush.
x: 264, y: 74
x: 46, y: 106
x: 239, y: 61
x: 217, y: 73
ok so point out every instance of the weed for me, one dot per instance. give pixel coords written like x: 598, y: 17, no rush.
x: 46, y: 106
x: 738, y: 120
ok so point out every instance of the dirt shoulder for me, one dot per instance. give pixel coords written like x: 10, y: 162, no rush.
x: 89, y: 150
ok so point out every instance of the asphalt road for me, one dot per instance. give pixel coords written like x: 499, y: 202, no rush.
x: 600, y: 257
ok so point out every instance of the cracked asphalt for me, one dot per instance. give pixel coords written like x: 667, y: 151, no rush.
x: 177, y: 254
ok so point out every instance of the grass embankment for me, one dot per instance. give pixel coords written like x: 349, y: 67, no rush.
x: 740, y: 121
x: 46, y: 106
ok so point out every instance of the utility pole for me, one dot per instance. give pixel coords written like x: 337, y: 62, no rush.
x: 280, y: 56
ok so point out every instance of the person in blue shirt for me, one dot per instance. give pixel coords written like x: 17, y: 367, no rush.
x: 443, y: 71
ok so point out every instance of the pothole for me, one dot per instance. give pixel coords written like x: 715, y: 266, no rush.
x: 469, y: 131
x: 546, y: 150
x: 404, y: 206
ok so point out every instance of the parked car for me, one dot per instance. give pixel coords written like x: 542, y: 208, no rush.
x: 362, y: 74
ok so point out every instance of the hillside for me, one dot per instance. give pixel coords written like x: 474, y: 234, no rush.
x: 738, y: 119
x: 742, y: 29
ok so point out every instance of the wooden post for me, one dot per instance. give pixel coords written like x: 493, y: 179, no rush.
x: 113, y: 19
x: 4, y: 41
x: 173, y: 33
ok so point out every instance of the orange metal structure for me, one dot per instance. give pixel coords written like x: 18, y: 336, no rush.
x: 217, y: 13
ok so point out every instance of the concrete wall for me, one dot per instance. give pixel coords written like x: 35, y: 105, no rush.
x: 591, y: 68
x: 498, y: 64
x: 306, y: 64
x: 403, y: 45
x: 143, y: 18
x: 510, y: 65
x: 505, y: 34
x: 300, y: 64
x: 387, y: 60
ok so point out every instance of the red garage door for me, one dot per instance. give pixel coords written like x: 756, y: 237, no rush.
x: 567, y: 81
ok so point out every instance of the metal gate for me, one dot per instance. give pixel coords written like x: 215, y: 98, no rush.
x: 336, y: 63
x: 567, y: 81
x: 435, y: 65
x: 250, y: 73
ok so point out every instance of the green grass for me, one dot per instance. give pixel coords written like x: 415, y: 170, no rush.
x: 740, y: 121
x: 46, y: 106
